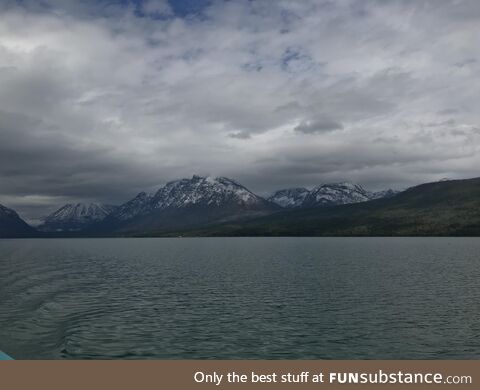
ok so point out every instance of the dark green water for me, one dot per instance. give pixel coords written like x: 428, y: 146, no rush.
x: 268, y: 298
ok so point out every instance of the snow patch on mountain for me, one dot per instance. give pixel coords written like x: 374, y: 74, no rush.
x: 290, y: 197
x: 336, y: 194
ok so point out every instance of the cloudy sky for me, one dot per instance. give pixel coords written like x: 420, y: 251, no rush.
x: 102, y: 99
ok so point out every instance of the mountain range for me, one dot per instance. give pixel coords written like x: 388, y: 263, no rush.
x: 221, y: 206
x: 333, y: 194
x: 445, y: 208
x: 186, y: 203
x: 195, y: 202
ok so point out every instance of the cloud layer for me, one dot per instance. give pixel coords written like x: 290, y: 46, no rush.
x: 100, y: 100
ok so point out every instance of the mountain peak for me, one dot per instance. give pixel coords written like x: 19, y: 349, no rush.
x: 203, y: 191
x: 75, y: 216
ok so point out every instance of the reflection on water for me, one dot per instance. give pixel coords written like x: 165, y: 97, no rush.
x: 272, y: 298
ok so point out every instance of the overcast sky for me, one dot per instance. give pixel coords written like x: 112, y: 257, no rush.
x: 102, y: 99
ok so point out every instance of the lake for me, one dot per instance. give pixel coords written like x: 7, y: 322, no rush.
x: 240, y: 298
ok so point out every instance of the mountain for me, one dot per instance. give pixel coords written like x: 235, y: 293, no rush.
x: 326, y: 195
x: 336, y: 194
x: 75, y: 217
x: 290, y: 197
x: 383, y: 194
x: 11, y: 225
x: 446, y: 208
x: 206, y: 191
x: 185, y: 203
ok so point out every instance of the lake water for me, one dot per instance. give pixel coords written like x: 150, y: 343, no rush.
x: 229, y: 298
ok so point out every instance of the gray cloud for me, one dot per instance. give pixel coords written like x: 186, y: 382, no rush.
x: 240, y: 135
x: 448, y: 111
x: 101, y: 99
x: 318, y: 126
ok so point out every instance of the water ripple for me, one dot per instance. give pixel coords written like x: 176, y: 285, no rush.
x: 268, y: 298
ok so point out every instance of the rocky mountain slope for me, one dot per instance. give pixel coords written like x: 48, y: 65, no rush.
x: 290, y: 197
x: 140, y: 205
x: 11, y: 225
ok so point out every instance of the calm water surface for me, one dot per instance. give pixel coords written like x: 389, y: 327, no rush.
x: 275, y: 298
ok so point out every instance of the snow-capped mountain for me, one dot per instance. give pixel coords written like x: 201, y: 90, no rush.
x: 206, y: 191
x: 327, y: 195
x: 77, y: 216
x: 197, y: 191
x: 11, y: 225
x: 290, y: 197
